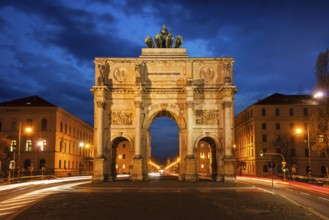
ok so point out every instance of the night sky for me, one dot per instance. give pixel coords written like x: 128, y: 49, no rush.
x: 47, y: 47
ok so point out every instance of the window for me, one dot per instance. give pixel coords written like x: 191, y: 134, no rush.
x: 61, y: 145
x: 265, y: 168
x: 123, y: 166
x: 61, y: 127
x: 13, y: 145
x: 13, y: 125
x: 278, y: 138
x: 124, y: 145
x: 292, y: 139
x: 305, y: 112
x: 42, y: 145
x: 291, y: 125
x: 264, y: 151
x: 29, y: 122
x: 264, y: 138
x: 263, y: 112
x: 264, y: 126
x: 65, y: 127
x: 293, y: 152
x: 291, y: 112
x: 28, y: 145
x: 123, y: 156
x: 306, y: 153
x: 60, y: 164
x: 44, y: 124
x: 27, y: 164
x: 42, y: 164
x: 277, y: 126
x: 323, y: 170
x: 277, y: 112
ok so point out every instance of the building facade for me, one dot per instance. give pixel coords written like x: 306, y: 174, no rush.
x: 45, y: 139
x: 198, y: 93
x: 268, y: 127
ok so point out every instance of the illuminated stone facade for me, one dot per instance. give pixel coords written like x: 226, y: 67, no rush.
x: 129, y: 93
x: 269, y: 126
x: 59, y: 143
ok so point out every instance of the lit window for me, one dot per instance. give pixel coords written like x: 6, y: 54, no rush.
x: 202, y: 166
x: 123, y: 166
x: 13, y: 145
x: 28, y: 145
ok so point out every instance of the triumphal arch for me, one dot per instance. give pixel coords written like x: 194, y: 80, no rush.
x: 198, y: 93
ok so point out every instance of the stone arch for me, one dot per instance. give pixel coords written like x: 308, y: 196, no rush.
x: 111, y: 147
x: 215, y: 148
x: 216, y: 140
x: 165, y: 111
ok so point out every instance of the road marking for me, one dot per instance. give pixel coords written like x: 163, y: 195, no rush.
x: 324, y: 198
x: 290, y: 190
x: 304, y: 193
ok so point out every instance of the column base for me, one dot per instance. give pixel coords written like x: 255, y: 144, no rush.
x: 229, y: 173
x: 98, y: 172
x: 137, y: 169
x: 190, y: 175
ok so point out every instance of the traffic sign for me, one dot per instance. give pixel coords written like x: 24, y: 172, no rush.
x: 271, y: 164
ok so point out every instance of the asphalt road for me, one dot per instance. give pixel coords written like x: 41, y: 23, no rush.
x: 165, y: 199
x: 312, y: 197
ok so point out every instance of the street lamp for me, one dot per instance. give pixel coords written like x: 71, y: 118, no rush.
x: 300, y: 131
x: 27, y: 130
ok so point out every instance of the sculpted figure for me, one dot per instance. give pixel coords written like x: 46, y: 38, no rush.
x: 169, y: 40
x: 178, y: 41
x: 149, y: 42
x: 104, y: 70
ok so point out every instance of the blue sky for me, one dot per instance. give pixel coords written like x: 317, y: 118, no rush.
x: 47, y: 47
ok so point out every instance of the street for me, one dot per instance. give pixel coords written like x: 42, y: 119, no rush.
x: 160, y: 199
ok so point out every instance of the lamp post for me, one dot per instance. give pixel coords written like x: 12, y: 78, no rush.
x: 27, y: 130
x: 299, y: 131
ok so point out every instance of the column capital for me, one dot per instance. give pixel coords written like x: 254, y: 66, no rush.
x: 189, y: 104
x: 138, y: 104
x: 101, y: 104
x: 227, y: 104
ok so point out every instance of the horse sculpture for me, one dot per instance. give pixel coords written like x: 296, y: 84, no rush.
x: 149, y: 42
x: 164, y: 40
x: 178, y: 41
x: 169, y: 41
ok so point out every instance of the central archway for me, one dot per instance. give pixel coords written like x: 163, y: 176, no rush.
x: 164, y: 147
x: 174, y: 115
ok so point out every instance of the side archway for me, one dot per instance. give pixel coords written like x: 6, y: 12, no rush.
x: 120, y: 150
x: 208, y: 148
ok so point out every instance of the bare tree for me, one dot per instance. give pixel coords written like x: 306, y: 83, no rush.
x: 4, y: 154
x: 320, y: 118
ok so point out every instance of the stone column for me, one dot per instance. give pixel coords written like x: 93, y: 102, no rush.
x: 190, y: 159
x: 137, y: 171
x: 138, y: 130
x: 229, y: 161
x: 98, y: 174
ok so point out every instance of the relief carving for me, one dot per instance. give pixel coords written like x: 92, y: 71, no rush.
x: 120, y: 74
x: 206, y: 117
x: 104, y: 71
x: 121, y: 118
x: 207, y: 73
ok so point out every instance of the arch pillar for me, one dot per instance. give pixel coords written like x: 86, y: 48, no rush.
x: 229, y: 161
x: 100, y: 104
x: 137, y: 167
x: 190, y: 161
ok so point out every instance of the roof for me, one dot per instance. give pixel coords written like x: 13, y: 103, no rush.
x: 281, y: 99
x: 31, y: 101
